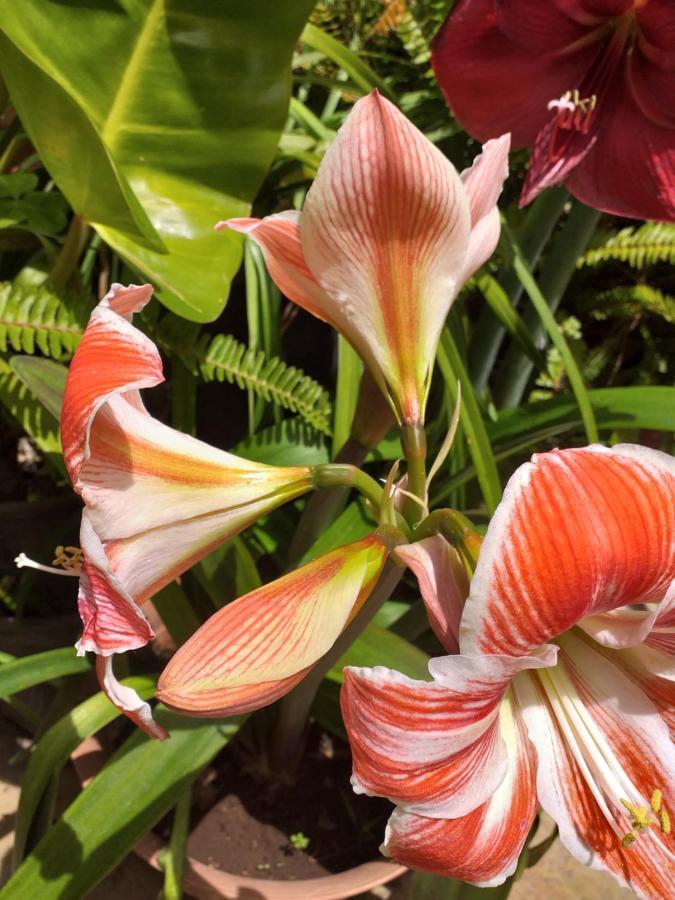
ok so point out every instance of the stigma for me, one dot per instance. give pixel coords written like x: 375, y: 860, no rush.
x: 574, y: 112
x: 67, y: 561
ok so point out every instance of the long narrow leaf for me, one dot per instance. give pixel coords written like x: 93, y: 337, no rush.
x: 127, y: 798
x: 359, y: 71
x: 54, y: 748
x: 27, y: 671
x: 558, y: 339
x: 453, y: 370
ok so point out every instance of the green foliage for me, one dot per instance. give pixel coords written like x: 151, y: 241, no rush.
x: 639, y: 246
x: 36, y: 319
x: 633, y: 300
x: 223, y: 358
x: 156, y: 121
x: 24, y: 407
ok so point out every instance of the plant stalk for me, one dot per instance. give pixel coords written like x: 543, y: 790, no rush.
x: 556, y: 274
x: 414, y: 443
x: 533, y: 234
x: 66, y: 261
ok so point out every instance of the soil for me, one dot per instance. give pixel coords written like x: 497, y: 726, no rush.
x: 250, y: 830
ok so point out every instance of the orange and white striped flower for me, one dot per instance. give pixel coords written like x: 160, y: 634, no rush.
x: 562, y: 694
x: 156, y: 501
x: 388, y: 235
x: 257, y: 648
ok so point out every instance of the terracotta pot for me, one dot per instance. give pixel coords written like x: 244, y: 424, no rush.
x: 207, y: 883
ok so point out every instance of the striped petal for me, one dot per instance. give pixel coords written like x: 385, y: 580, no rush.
x: 257, y: 648
x: 443, y: 584
x: 483, y: 183
x: 278, y: 237
x: 578, y: 533
x: 385, y: 230
x: 156, y: 500
x: 483, y: 846
x: 603, y: 751
x: 433, y: 747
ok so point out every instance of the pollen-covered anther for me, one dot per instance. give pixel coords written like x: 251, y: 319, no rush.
x: 574, y: 111
x: 70, y: 558
x: 641, y: 817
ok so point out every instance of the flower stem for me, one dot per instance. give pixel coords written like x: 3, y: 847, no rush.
x: 291, y: 727
x: 414, y: 443
x: 66, y: 261
x: 556, y: 274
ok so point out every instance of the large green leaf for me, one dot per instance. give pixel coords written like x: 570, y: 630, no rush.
x: 128, y: 797
x: 183, y: 100
x: 376, y: 646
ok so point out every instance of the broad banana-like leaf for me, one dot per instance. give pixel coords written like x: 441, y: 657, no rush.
x: 156, y: 118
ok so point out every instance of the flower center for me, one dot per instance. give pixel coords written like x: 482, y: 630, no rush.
x: 623, y: 804
x: 573, y: 111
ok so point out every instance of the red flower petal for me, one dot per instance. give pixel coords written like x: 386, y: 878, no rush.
x: 630, y: 170
x: 482, y: 847
x: 578, y: 532
x: 113, y: 357
x: 494, y: 85
x: 536, y: 27
x: 434, y: 747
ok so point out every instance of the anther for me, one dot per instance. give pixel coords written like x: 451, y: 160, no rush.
x: 664, y: 821
x: 628, y: 839
x: 657, y: 797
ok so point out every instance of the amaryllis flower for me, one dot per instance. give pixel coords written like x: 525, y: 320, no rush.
x: 588, y: 84
x: 388, y: 235
x: 257, y: 648
x: 562, y: 695
x: 156, y: 501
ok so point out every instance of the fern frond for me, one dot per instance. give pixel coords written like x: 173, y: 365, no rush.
x: 651, y: 243
x: 223, y: 358
x: 36, y: 318
x: 631, y: 300
x: 25, y: 408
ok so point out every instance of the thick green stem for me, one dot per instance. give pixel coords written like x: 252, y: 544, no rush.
x: 533, y: 235
x: 558, y: 339
x: 72, y: 248
x: 289, y: 735
x: 324, y: 506
x: 456, y: 528
x: 556, y: 274
x: 414, y: 443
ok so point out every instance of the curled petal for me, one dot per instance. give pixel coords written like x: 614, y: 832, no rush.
x: 443, y: 584
x: 483, y: 183
x: 578, y: 533
x: 258, y: 647
x: 603, y: 750
x: 113, y: 357
x: 385, y: 230
x: 156, y: 500
x: 433, y: 747
x: 127, y: 700
x: 483, y: 846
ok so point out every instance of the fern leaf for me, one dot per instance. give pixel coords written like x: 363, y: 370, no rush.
x: 651, y: 243
x: 223, y: 358
x: 37, y: 319
x: 25, y: 408
x: 631, y: 300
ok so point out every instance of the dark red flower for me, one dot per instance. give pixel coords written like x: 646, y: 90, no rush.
x: 589, y: 84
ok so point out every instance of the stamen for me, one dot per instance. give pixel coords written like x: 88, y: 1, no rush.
x: 657, y: 797
x: 628, y: 839
x: 664, y: 821
x: 70, y: 558
x: 640, y: 816
x: 574, y: 111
